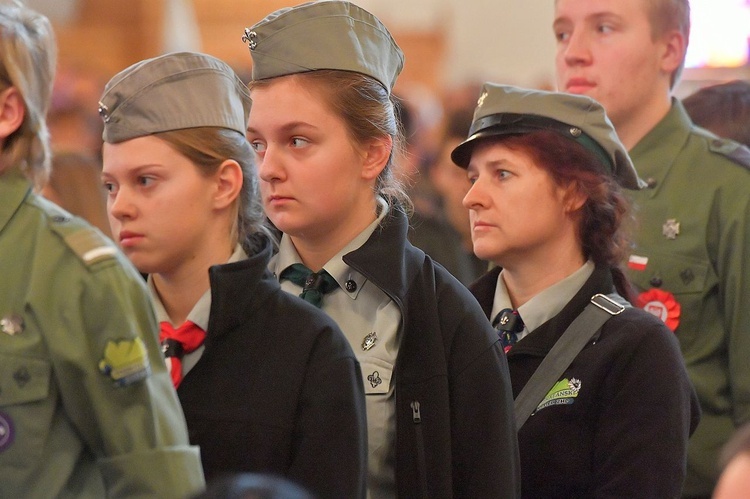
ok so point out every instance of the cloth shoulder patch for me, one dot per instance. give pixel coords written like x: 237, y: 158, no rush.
x: 125, y: 361
x: 90, y: 245
x: 730, y: 149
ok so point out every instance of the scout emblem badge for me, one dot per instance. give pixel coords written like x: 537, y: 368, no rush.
x: 374, y: 379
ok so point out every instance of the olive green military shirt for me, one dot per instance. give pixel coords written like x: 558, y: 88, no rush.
x: 691, y: 263
x: 86, y: 406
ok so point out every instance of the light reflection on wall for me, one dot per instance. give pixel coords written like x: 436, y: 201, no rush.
x: 720, y: 34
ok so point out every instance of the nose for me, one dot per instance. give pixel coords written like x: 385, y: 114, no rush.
x: 576, y: 49
x: 119, y: 205
x: 270, y: 165
x: 476, y: 196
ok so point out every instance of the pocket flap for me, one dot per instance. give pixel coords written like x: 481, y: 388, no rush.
x: 376, y: 375
x: 675, y: 273
x: 23, y: 379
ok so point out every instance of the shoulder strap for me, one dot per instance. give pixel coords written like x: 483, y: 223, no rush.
x: 572, y: 341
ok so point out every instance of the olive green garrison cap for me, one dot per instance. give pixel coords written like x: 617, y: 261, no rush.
x: 172, y: 92
x: 328, y: 34
x: 506, y: 110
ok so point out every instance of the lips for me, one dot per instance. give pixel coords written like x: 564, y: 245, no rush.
x: 129, y: 239
x: 579, y: 85
x: 478, y: 225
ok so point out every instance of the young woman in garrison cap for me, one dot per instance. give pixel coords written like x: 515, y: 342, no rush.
x: 546, y: 206
x: 267, y: 382
x: 324, y: 131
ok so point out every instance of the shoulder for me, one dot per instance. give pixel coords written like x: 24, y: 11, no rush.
x: 638, y: 328
x: 75, y: 235
x: 721, y: 149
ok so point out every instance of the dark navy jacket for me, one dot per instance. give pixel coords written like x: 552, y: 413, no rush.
x: 618, y: 421
x: 277, y: 388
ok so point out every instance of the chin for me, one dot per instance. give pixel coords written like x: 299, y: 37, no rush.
x: 484, y: 253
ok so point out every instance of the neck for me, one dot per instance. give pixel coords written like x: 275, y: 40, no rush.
x: 634, y: 126
x: 181, y: 288
x: 316, y: 250
x: 530, y: 276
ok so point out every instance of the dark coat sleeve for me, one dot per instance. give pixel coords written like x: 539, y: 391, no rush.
x: 484, y: 441
x: 330, y: 454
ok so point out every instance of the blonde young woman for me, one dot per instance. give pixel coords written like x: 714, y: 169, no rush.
x: 324, y: 131
x: 268, y: 383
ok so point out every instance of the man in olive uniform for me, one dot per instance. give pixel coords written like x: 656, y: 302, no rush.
x: 86, y: 406
x: 693, y: 216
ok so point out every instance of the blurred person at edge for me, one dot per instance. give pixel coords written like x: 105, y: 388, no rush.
x: 452, y: 185
x: 722, y: 108
x: 692, y: 245
x: 86, y: 406
x: 734, y: 481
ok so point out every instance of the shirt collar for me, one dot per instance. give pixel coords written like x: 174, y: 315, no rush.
x: 546, y: 304
x: 339, y: 270
x: 201, y: 311
x: 14, y: 188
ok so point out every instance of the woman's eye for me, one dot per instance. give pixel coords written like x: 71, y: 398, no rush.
x: 258, y: 147
x: 299, y: 142
x: 145, y: 181
x: 109, y: 187
x: 503, y: 174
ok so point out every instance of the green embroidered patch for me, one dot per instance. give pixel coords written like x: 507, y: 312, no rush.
x: 125, y: 361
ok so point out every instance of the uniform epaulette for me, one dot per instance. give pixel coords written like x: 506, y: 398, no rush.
x: 90, y: 245
x: 730, y: 149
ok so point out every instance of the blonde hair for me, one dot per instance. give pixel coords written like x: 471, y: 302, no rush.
x: 28, y: 54
x: 208, y: 148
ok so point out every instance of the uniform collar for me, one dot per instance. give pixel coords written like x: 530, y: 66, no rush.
x: 336, y: 266
x: 657, y: 151
x: 547, y: 303
x: 14, y: 188
x: 546, y: 335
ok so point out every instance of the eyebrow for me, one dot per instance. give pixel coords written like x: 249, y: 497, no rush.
x: 288, y: 127
x: 136, y: 169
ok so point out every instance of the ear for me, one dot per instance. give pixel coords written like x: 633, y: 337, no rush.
x: 228, y: 184
x: 675, y: 45
x: 375, y: 157
x: 12, y: 111
x: 573, y: 197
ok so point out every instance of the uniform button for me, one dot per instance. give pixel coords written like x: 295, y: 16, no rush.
x: 350, y: 286
x: 656, y: 282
